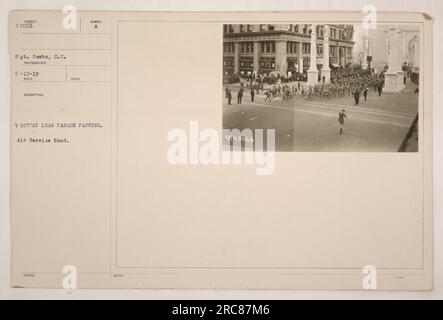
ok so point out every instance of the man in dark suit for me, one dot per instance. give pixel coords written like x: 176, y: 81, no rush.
x: 341, y: 119
x: 380, y: 88
x: 365, y: 93
x: 229, y: 96
x: 357, y: 96
x: 239, y: 96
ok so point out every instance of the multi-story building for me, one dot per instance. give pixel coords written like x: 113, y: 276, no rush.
x: 263, y: 48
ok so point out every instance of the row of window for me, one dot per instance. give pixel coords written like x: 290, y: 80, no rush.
x: 269, y: 47
x: 265, y: 64
x: 248, y: 47
x: 228, y: 47
x: 344, y: 32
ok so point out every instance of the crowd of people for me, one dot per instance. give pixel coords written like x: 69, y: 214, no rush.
x: 344, y: 83
x: 264, y: 78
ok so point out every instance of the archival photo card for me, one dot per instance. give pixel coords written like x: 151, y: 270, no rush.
x: 214, y: 150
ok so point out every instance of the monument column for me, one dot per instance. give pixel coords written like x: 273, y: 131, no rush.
x: 326, y: 71
x: 300, y: 56
x: 400, y: 72
x: 313, y: 71
x: 236, y: 57
x: 281, y: 63
x: 394, y: 75
x: 364, y: 64
x: 256, y: 63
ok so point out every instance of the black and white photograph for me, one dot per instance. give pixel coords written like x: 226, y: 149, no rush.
x: 324, y: 87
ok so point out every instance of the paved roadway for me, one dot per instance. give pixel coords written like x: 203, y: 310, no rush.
x: 379, y: 124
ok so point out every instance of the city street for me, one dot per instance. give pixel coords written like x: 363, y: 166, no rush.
x: 379, y: 124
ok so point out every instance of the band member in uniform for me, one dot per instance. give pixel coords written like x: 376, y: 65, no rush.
x: 252, y: 94
x: 380, y: 88
x: 268, y: 95
x: 365, y: 93
x: 341, y: 119
x: 357, y: 96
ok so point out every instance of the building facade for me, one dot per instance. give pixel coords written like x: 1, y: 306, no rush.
x: 283, y: 48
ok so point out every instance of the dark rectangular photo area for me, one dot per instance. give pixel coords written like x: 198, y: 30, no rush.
x: 322, y: 87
